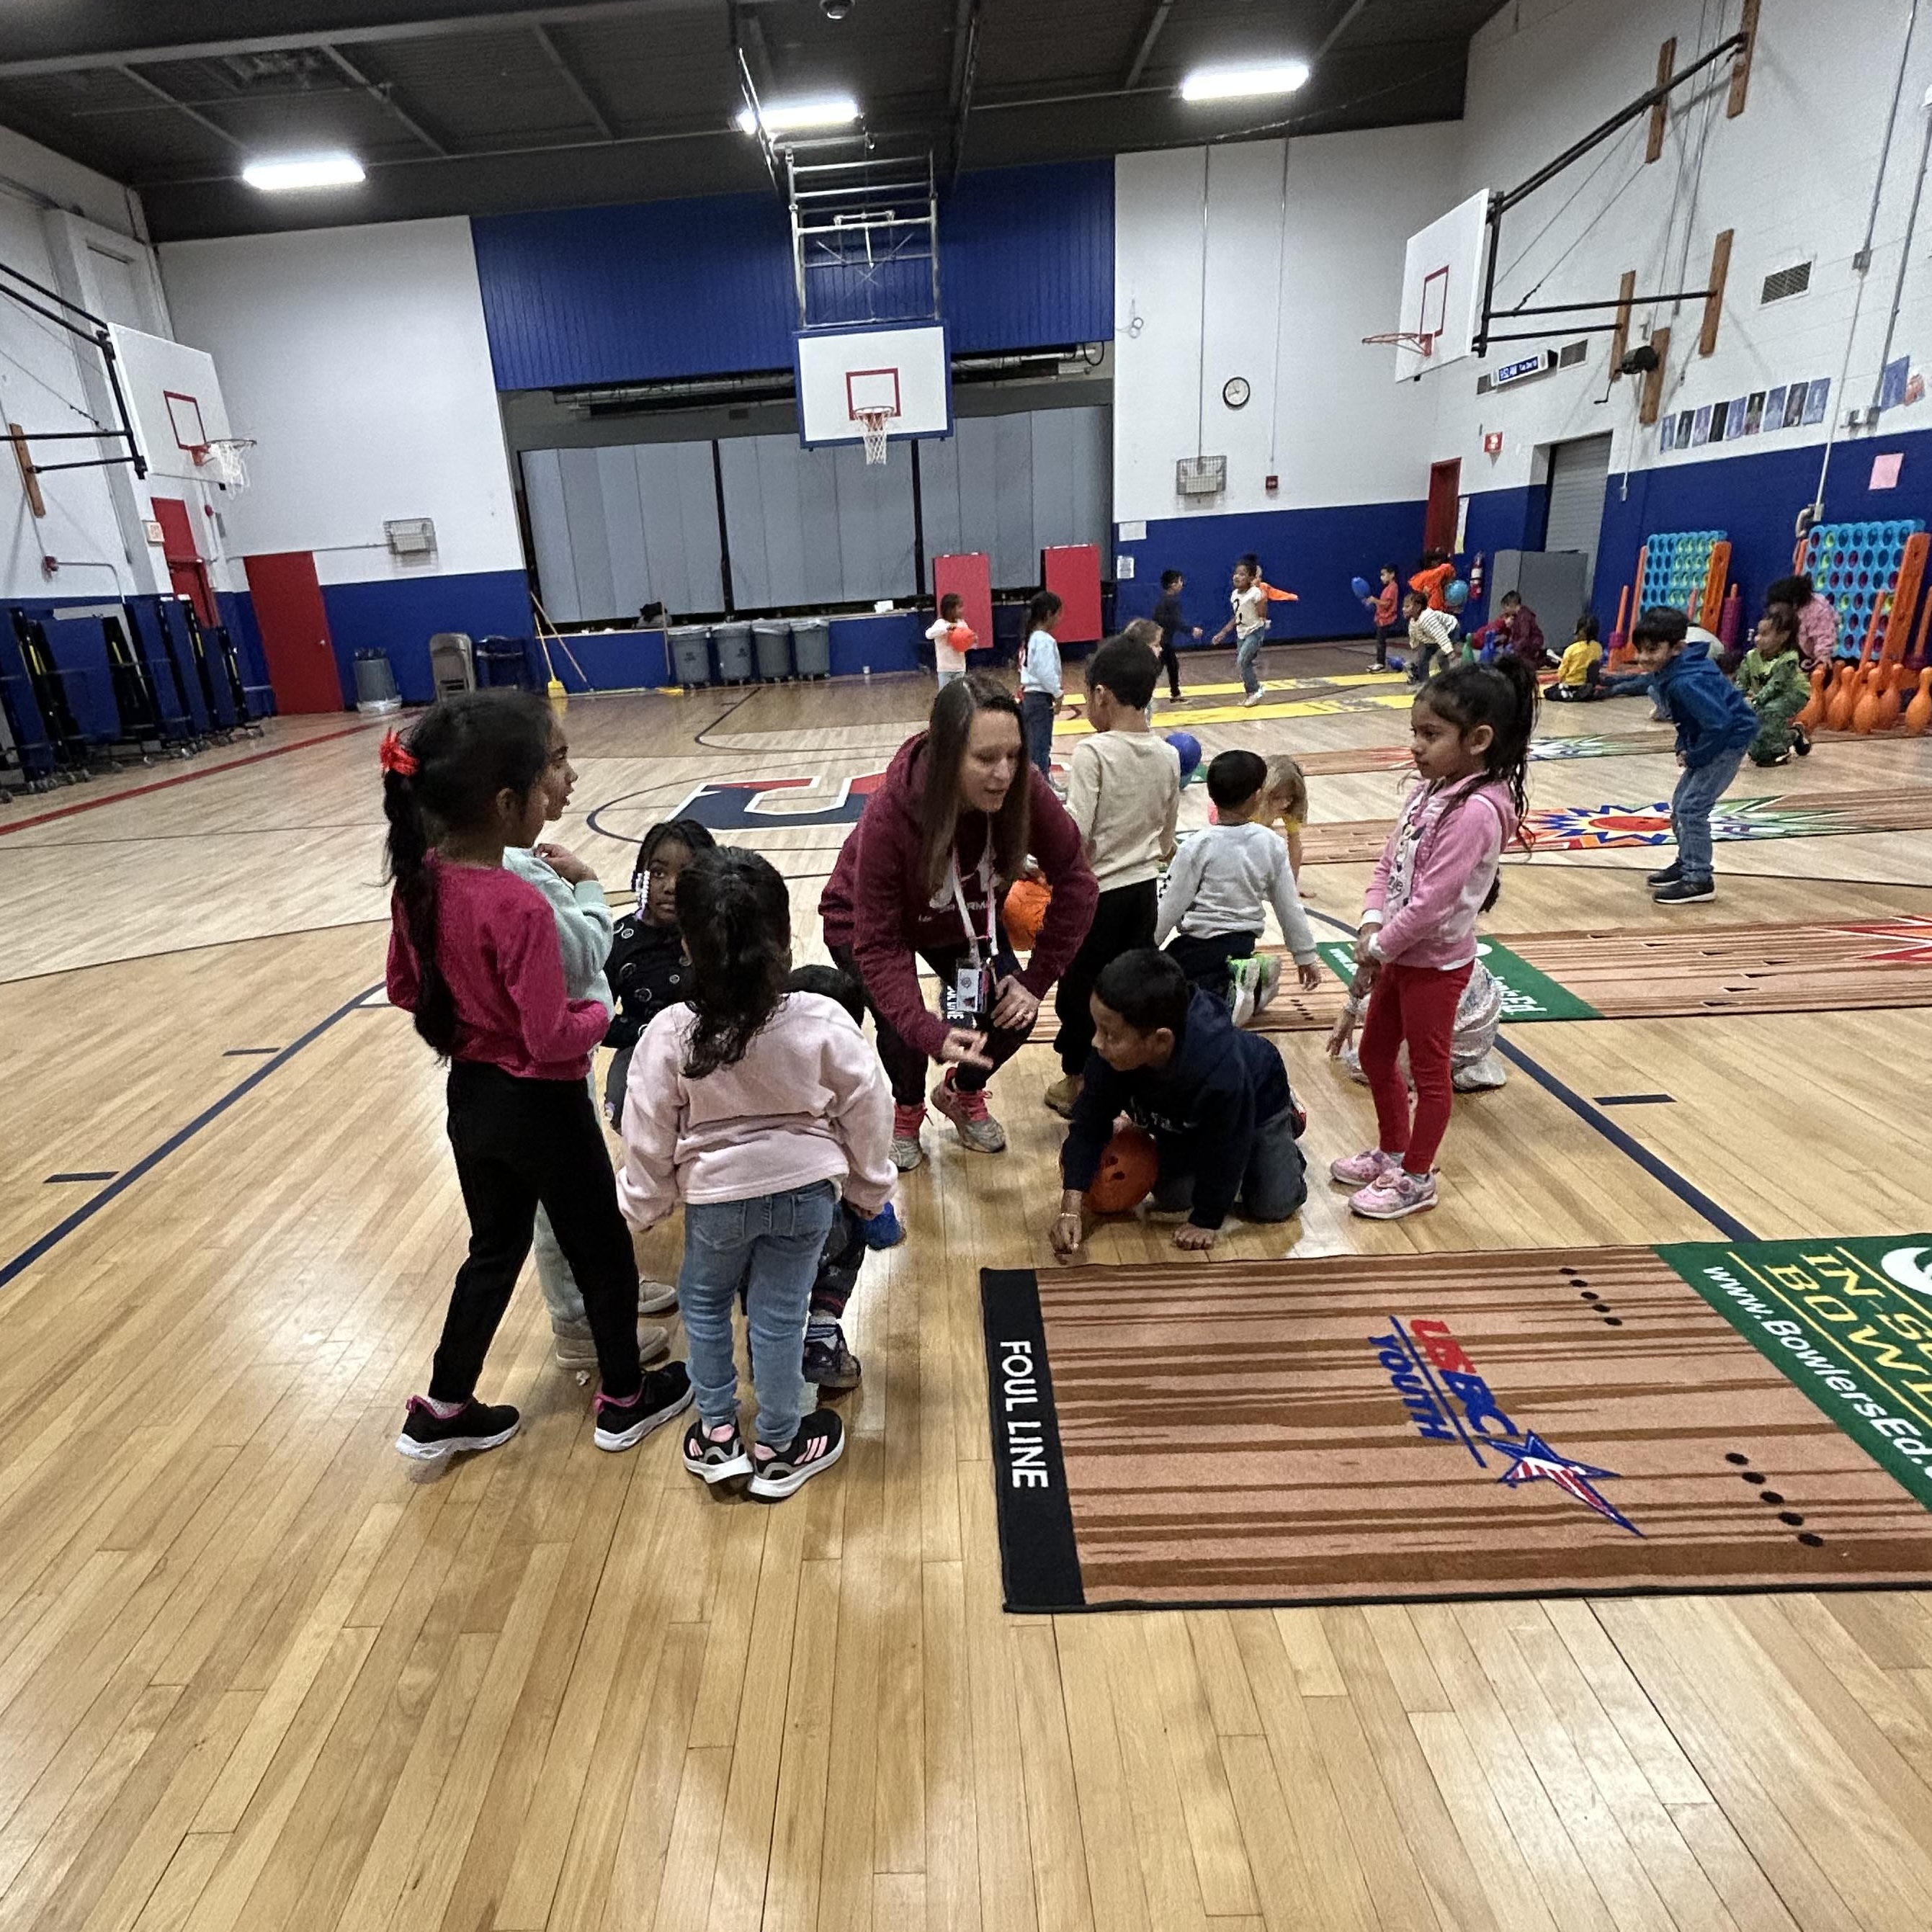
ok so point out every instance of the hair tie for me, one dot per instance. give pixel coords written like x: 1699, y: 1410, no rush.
x: 393, y: 755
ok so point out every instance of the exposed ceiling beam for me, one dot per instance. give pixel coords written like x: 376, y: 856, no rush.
x: 965, y: 70
x: 384, y: 94
x: 1157, y: 20
x: 1341, y: 26
x: 325, y: 25
x: 194, y: 114
x: 573, y: 80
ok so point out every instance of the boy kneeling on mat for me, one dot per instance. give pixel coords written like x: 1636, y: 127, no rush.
x: 1216, y: 1100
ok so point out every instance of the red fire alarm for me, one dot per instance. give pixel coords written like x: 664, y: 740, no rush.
x: 1493, y: 443
x: 1271, y: 484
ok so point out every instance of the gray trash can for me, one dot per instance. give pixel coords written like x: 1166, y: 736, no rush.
x: 375, y: 684
x: 811, y: 647
x: 690, y: 653
x: 771, y: 639
x: 734, y: 652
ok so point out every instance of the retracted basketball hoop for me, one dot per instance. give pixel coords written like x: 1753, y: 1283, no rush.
x: 222, y: 458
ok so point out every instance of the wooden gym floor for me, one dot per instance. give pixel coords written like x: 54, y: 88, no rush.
x: 256, y: 1671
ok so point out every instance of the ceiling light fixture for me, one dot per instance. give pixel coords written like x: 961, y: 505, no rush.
x: 788, y: 117
x: 304, y: 171
x: 1240, y: 83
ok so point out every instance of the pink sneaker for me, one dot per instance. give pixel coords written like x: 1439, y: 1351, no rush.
x: 1363, y: 1170
x: 967, y: 1109
x: 1397, y: 1193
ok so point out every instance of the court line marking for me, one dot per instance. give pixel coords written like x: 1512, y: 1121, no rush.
x: 148, y: 1162
x: 1660, y: 1170
x: 182, y: 778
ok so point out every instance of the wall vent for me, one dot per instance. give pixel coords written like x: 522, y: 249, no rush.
x: 1784, y: 282
x: 1571, y: 353
x: 1484, y: 384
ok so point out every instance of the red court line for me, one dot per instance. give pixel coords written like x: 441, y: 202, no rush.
x: 181, y: 778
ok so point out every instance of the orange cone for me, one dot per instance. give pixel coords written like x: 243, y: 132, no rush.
x: 1918, y: 712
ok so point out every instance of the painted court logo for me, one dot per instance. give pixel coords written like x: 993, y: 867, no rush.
x: 1448, y: 1401
x: 749, y: 804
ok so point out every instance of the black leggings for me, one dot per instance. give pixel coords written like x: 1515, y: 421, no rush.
x: 1205, y: 960
x: 1124, y: 919
x: 518, y: 1142
x: 905, y: 1063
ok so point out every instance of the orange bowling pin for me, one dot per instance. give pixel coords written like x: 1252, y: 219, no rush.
x: 1918, y: 712
x: 1844, y: 696
x: 1814, y: 706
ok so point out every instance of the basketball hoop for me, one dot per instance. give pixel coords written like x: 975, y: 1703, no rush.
x: 222, y: 458
x: 873, y: 423
x: 1423, y: 344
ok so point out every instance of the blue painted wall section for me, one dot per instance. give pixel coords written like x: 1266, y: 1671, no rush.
x: 704, y: 287
x: 1312, y: 552
x: 400, y: 616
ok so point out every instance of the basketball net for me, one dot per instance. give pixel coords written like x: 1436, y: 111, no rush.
x: 224, y: 461
x: 1423, y: 345
x: 873, y: 423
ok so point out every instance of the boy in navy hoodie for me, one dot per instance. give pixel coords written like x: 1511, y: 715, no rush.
x: 1715, y: 724
x: 1215, y: 1099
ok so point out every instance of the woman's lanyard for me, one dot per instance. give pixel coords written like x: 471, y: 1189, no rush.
x: 965, y: 915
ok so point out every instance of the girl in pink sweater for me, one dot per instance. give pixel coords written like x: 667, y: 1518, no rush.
x: 1471, y: 728
x: 757, y: 1108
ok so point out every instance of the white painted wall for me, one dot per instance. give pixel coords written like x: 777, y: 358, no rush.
x: 357, y: 358
x: 1792, y: 176
x: 1341, y: 432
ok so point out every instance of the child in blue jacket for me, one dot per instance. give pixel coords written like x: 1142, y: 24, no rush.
x: 1715, y: 723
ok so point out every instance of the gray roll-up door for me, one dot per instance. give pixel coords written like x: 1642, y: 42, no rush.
x: 1579, y: 473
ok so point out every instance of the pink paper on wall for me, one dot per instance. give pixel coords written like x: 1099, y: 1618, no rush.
x: 1885, y: 470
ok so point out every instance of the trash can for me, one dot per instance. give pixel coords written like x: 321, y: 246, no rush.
x: 772, y: 639
x: 811, y: 647
x: 690, y: 653
x: 375, y: 695
x: 451, y: 667
x: 734, y: 652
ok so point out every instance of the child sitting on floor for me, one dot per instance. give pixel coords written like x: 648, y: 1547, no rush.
x: 1581, y: 670
x: 1216, y: 1101
x: 1772, y: 678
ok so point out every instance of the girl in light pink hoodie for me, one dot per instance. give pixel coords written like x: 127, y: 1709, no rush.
x: 1470, y: 730
x: 757, y: 1108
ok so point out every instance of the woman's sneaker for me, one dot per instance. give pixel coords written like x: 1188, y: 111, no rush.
x: 717, y: 1453
x: 966, y: 1108
x: 907, y: 1154
x: 1364, y: 1169
x: 777, y: 1474
x: 1397, y: 1193
x: 576, y: 1349
x: 427, y: 1437
x: 655, y: 1298
x: 622, y: 1425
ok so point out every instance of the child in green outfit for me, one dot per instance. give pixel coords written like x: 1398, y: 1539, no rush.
x: 1772, y: 677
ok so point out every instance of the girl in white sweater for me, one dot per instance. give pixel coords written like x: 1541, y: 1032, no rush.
x: 757, y: 1108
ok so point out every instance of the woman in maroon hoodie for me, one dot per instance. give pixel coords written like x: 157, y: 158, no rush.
x: 922, y: 875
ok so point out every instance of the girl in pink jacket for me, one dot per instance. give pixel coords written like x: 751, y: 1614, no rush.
x: 758, y: 1108
x: 1471, y: 728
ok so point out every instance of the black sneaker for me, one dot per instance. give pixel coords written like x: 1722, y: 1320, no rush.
x: 831, y: 1366
x: 1800, y: 742
x: 718, y: 1459
x: 1685, y: 891
x: 1670, y: 876
x: 819, y: 1442
x: 428, y: 1437
x: 666, y: 1392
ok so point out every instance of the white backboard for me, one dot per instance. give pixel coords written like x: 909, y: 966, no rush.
x: 174, y: 397
x: 904, y: 369
x: 1442, y: 288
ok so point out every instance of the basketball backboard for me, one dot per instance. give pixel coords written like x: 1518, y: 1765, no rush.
x: 903, y: 372
x: 1442, y: 289
x: 174, y: 399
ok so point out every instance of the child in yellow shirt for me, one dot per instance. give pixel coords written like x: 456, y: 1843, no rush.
x: 1581, y: 668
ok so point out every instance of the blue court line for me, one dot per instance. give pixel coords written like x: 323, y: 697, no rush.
x: 1660, y: 1170
x: 54, y: 1235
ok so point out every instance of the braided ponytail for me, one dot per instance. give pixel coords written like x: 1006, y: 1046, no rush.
x: 735, y: 914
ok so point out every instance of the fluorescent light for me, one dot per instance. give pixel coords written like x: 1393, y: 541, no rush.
x: 304, y: 171
x: 787, y: 117
x: 1235, y: 83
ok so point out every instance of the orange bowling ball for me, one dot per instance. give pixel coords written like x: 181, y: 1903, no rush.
x: 1027, y: 902
x: 1129, y: 1168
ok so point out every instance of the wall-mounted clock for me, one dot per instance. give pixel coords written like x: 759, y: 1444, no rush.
x: 1234, y: 392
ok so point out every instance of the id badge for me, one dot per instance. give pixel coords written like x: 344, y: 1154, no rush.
x: 966, y: 1001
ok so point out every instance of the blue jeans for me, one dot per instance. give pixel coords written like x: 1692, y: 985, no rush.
x: 772, y: 1243
x: 1247, y: 648
x: 1036, y: 721
x: 1697, y: 791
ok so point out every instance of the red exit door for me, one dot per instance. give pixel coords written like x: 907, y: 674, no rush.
x: 1439, y: 527
x: 294, y: 626
x: 186, y: 570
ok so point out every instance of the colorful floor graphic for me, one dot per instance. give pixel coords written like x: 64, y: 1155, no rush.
x: 1390, y: 1428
